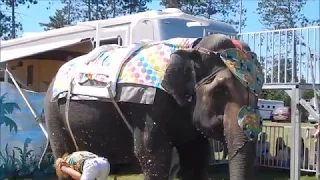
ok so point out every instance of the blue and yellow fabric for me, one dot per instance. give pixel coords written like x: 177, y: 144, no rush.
x: 249, y: 120
x: 246, y: 67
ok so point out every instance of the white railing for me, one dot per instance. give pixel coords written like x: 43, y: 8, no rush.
x: 285, y: 54
x: 273, y: 149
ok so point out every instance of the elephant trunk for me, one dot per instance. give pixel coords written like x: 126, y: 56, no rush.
x: 241, y: 151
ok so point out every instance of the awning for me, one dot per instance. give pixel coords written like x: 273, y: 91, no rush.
x: 44, y: 41
x: 20, y: 52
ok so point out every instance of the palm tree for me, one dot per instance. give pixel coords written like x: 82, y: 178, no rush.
x: 57, y: 21
x: 7, y: 108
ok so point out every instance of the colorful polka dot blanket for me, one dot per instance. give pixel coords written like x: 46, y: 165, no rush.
x: 141, y: 63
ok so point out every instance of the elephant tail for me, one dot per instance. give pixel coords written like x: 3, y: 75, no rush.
x: 43, y: 154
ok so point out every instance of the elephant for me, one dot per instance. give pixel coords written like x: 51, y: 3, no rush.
x: 202, y: 100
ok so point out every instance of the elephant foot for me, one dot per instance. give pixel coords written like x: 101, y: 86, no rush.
x: 194, y: 158
x: 155, y: 162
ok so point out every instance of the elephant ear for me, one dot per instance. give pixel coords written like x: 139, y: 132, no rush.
x: 179, y: 78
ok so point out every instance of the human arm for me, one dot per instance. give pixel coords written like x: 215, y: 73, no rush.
x: 71, y: 172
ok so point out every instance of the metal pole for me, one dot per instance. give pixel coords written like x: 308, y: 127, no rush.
x: 317, y: 158
x: 296, y: 135
x: 97, y: 35
x: 240, y: 17
x: 6, y: 77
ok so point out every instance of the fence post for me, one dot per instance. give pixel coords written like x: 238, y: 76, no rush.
x: 295, y: 157
x: 317, y: 159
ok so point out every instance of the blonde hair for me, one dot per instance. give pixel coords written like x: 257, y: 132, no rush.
x: 58, y: 164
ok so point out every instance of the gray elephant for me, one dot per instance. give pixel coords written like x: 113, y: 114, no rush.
x: 204, y: 98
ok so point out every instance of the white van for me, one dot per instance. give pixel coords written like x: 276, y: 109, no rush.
x: 267, y: 106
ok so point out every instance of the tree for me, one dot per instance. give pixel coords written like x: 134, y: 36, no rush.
x: 86, y: 10
x: 134, y: 6
x: 279, y: 14
x: 57, y: 21
x: 72, y: 10
x: 224, y: 10
x: 9, y: 26
x: 7, y: 108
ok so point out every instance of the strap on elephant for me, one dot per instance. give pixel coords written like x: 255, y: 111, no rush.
x: 112, y: 97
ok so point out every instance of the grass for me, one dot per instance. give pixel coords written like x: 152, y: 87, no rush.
x: 221, y: 173
x: 281, y: 130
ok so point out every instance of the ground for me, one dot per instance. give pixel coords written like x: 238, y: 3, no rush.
x: 221, y: 173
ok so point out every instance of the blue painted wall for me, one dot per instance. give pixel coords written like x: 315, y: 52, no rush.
x: 21, y: 139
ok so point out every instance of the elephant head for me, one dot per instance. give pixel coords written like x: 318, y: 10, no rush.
x: 205, y: 79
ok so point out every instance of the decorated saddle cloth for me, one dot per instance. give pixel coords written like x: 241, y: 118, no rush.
x: 142, y: 63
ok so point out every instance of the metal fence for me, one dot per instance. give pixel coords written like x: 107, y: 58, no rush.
x: 287, y: 55
x: 273, y: 148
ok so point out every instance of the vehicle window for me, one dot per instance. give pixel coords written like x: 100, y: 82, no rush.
x: 268, y: 107
x: 111, y: 41
x: 173, y: 28
x: 262, y: 106
x: 273, y: 107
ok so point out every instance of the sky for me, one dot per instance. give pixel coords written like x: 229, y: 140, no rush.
x: 31, y: 17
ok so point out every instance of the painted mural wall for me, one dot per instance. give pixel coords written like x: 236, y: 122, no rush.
x: 21, y: 139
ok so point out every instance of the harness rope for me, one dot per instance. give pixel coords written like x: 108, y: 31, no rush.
x: 67, y: 115
x: 112, y: 100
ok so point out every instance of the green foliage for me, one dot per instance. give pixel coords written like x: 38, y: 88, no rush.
x: 85, y: 10
x: 279, y: 14
x: 225, y: 10
x: 283, y: 96
x: 308, y: 94
x: 134, y: 6
x: 57, y: 21
x: 8, y: 22
x: 8, y: 163
x: 21, y: 162
x: 7, y: 108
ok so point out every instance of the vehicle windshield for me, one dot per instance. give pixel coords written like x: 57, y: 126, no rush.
x: 173, y: 28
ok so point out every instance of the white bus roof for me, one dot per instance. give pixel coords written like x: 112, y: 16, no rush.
x: 166, y: 13
x: 269, y: 101
x: 35, y: 43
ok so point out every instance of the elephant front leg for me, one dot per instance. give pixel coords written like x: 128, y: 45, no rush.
x: 194, y: 158
x: 154, y: 156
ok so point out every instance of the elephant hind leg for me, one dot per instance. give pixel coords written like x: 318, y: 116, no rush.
x: 60, y: 140
x: 194, y: 158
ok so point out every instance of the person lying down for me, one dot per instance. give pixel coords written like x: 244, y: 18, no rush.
x: 82, y: 165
